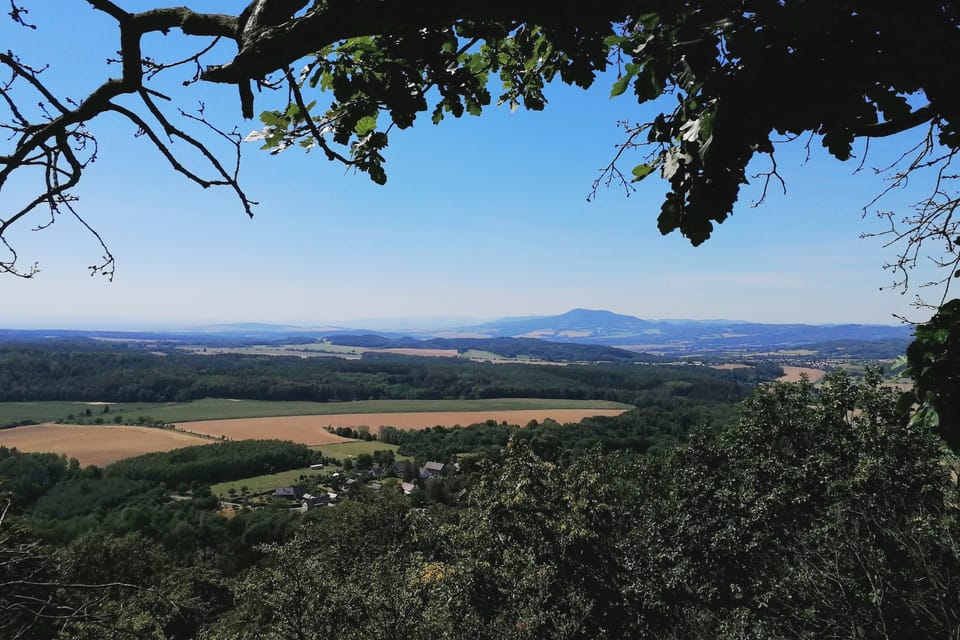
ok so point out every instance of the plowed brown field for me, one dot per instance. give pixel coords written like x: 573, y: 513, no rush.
x: 99, y: 445
x: 310, y: 429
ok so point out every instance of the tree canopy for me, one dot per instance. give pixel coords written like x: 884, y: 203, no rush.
x: 732, y: 79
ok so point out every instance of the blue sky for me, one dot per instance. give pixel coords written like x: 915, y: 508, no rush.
x: 480, y: 218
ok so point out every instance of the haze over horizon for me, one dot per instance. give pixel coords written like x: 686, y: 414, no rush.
x: 480, y: 218
x: 383, y: 324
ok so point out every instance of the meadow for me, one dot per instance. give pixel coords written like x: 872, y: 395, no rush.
x: 353, y: 448
x: 259, y: 484
x: 44, y: 411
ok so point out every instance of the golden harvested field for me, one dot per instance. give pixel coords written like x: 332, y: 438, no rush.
x: 99, y: 445
x: 310, y: 429
x: 304, y: 429
x: 792, y: 374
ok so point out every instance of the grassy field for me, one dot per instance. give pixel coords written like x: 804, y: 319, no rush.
x: 222, y: 408
x: 43, y: 411
x: 258, y: 484
x: 349, y: 449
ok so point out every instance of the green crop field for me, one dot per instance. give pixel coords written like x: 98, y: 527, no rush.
x: 222, y: 408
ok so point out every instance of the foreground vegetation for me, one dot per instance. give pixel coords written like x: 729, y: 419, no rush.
x: 805, y: 519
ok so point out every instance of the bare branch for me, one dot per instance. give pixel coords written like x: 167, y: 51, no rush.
x: 934, y: 219
x: 17, y: 14
x: 768, y: 176
x: 52, y: 140
x: 612, y: 174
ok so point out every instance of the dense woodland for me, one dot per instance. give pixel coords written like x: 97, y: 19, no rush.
x: 114, y: 373
x: 803, y: 519
x: 657, y: 425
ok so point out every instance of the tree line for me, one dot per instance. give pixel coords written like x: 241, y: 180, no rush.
x: 206, y: 464
x: 656, y: 426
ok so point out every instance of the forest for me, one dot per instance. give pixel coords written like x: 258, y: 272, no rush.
x: 104, y: 373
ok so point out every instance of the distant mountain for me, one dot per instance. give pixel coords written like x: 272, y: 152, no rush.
x: 571, y: 325
x: 612, y: 329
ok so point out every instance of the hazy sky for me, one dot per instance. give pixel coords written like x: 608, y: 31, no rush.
x: 481, y: 217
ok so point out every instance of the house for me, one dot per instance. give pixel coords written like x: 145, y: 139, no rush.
x: 407, y: 487
x: 290, y: 493
x: 312, y: 502
x: 316, y: 467
x: 431, y: 470
x: 375, y: 486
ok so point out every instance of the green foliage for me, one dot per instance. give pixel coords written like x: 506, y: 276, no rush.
x: 819, y: 516
x: 85, y: 495
x: 24, y: 477
x: 933, y: 361
x: 823, y: 513
x: 739, y: 76
x: 400, y: 74
x: 658, y: 423
x: 345, y: 574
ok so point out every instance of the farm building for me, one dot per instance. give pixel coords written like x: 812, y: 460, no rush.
x: 290, y: 493
x: 431, y: 469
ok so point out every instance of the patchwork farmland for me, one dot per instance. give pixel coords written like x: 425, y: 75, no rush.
x: 205, y: 421
x: 311, y: 430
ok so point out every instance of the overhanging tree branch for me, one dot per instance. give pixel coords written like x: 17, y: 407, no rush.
x: 743, y: 80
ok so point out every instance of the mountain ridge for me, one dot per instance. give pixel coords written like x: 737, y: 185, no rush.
x: 579, y: 325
